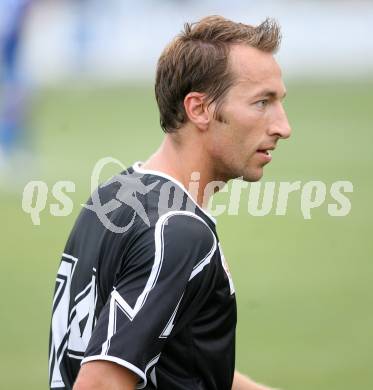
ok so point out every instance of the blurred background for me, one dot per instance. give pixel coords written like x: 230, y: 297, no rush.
x: 77, y: 85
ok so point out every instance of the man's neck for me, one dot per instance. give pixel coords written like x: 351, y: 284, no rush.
x: 188, y: 164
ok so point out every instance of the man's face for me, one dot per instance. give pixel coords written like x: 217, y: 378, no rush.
x: 253, y: 118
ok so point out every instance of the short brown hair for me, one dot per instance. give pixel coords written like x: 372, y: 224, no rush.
x: 197, y: 60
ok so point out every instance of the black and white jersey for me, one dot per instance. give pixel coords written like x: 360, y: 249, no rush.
x: 143, y: 283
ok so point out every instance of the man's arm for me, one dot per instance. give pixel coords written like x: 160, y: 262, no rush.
x: 102, y: 375
x: 242, y: 382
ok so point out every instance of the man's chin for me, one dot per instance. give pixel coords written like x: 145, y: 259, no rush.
x: 253, y: 176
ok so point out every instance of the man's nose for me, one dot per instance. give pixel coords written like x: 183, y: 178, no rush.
x: 280, y: 125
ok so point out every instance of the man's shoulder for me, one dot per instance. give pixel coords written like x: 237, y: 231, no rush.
x: 132, y: 206
x: 179, y: 239
x: 184, y: 225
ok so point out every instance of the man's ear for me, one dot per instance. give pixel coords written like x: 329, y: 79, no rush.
x: 197, y: 109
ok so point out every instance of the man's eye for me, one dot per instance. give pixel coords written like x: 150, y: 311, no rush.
x: 261, y: 103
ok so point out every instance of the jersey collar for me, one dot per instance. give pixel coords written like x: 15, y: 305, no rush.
x: 137, y: 168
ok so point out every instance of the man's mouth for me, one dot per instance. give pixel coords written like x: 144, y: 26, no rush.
x: 264, y: 151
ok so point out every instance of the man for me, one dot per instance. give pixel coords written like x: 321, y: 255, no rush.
x: 144, y: 298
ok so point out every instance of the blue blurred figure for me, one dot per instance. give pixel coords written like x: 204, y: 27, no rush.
x: 13, y: 104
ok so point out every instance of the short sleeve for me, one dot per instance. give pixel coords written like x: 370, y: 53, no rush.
x: 162, y: 263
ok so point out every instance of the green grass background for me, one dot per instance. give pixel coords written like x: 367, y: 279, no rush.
x: 304, y: 287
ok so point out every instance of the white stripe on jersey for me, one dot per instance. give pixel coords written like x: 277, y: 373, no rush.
x: 117, y: 301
